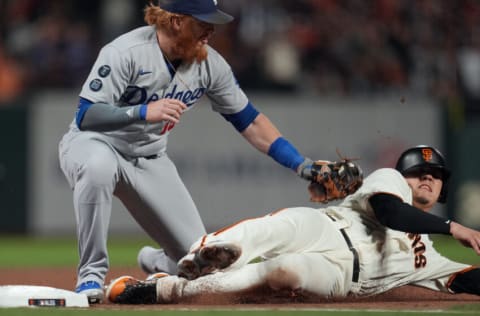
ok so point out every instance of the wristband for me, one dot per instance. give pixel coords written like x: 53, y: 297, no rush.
x: 285, y: 154
x: 143, y: 112
x: 83, y: 106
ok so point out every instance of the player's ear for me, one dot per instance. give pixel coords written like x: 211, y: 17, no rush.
x: 176, y: 22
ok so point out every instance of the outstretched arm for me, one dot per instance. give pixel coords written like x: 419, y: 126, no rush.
x: 467, y: 236
x: 256, y: 128
x: 392, y: 212
x: 261, y: 133
x: 264, y: 136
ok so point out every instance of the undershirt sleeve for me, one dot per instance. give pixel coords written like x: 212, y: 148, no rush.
x: 393, y: 213
x: 101, y: 117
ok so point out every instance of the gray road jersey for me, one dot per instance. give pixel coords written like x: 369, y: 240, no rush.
x: 131, y: 70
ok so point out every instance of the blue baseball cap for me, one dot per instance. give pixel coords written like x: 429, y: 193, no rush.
x: 203, y: 10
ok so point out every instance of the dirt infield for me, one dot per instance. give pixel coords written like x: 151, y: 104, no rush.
x: 407, y: 297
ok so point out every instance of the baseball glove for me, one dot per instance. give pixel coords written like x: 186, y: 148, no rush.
x: 334, y: 180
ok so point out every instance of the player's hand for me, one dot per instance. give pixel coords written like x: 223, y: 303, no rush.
x: 468, y: 237
x: 165, y: 110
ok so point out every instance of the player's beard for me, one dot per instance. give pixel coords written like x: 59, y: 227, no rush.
x: 188, y: 48
x: 423, y: 203
x: 421, y: 200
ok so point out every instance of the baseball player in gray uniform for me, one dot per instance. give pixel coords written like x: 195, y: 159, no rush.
x: 375, y: 240
x: 137, y: 91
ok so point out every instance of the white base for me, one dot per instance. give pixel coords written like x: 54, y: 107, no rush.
x: 44, y: 296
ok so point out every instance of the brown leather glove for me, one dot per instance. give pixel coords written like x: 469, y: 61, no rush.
x: 333, y: 180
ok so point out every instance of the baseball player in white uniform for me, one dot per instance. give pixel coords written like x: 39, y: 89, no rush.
x: 137, y: 91
x: 375, y: 240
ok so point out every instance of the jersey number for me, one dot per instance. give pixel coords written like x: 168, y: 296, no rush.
x: 167, y: 127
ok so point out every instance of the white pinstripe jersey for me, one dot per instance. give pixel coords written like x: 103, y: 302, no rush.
x: 390, y: 258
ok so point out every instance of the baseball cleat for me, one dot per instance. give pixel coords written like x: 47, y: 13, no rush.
x: 128, y: 290
x: 152, y: 260
x: 208, y: 259
x: 145, y: 259
x: 92, y: 289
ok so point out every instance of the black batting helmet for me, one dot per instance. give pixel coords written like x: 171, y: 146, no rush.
x: 425, y: 157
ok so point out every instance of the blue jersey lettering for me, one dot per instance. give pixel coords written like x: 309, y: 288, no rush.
x: 188, y: 97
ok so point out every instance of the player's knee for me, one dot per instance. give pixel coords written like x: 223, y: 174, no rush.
x: 282, y: 278
x: 283, y: 275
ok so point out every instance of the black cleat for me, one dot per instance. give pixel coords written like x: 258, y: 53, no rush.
x: 128, y: 290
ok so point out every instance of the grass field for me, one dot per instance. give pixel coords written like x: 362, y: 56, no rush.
x: 123, y: 251
x: 61, y: 252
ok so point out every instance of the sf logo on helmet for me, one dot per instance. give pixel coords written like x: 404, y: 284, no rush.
x: 427, y: 154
